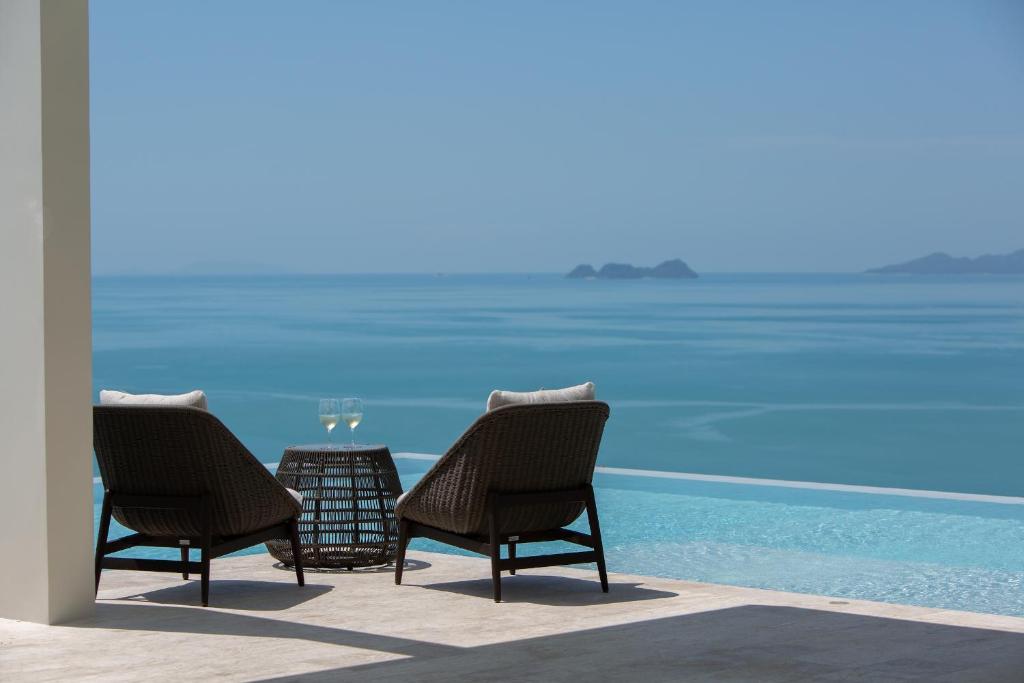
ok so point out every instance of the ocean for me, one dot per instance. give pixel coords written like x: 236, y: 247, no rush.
x: 894, y: 381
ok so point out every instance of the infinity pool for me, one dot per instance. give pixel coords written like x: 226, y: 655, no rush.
x: 934, y: 552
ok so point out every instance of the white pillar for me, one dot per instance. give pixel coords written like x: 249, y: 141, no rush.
x: 45, y: 312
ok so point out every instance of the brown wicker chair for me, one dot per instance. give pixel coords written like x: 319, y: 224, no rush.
x: 519, y: 474
x: 180, y: 479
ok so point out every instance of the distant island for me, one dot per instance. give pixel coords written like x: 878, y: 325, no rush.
x: 669, y: 270
x: 944, y: 264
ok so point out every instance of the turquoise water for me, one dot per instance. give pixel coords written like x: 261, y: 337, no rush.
x: 947, y: 554
x: 882, y: 381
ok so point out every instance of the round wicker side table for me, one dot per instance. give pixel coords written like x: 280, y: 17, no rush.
x: 348, y: 505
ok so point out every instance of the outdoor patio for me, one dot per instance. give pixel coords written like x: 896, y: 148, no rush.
x: 555, y: 625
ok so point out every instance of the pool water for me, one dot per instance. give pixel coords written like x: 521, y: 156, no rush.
x: 944, y: 553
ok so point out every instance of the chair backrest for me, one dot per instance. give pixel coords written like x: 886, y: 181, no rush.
x: 514, y: 449
x: 177, y: 451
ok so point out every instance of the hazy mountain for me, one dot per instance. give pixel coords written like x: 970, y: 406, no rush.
x: 944, y: 264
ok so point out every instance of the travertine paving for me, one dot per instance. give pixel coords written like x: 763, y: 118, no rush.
x: 555, y: 625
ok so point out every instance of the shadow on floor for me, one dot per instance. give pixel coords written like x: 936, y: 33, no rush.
x: 746, y: 643
x: 549, y: 590
x: 260, y: 596
x: 235, y: 594
x: 760, y: 643
x: 144, y: 616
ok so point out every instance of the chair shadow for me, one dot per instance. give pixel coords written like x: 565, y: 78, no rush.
x: 263, y: 596
x: 410, y: 566
x: 539, y: 589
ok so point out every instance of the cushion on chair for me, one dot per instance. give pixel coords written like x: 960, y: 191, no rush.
x: 193, y: 399
x: 295, y: 494
x: 580, y: 392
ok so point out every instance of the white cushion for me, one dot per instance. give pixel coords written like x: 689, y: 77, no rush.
x: 295, y: 494
x: 580, y: 392
x: 193, y: 399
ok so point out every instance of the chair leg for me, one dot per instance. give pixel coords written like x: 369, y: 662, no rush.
x: 512, y: 555
x: 403, y: 542
x: 293, y: 529
x: 101, y: 540
x: 595, y: 532
x: 206, y: 549
x: 495, y: 552
x: 184, y: 562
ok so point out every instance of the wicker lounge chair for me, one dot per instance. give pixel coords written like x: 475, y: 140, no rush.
x: 519, y: 474
x: 180, y: 479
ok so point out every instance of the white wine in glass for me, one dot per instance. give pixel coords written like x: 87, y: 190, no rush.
x: 330, y: 414
x: 352, y: 414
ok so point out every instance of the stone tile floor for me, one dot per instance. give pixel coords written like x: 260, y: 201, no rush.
x: 441, y: 625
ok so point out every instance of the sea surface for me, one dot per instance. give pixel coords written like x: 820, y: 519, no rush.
x: 884, y: 381
x: 894, y: 381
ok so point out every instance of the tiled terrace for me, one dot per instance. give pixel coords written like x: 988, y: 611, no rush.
x: 555, y: 625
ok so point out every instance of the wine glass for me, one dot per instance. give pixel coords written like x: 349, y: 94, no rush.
x: 330, y: 413
x: 352, y: 414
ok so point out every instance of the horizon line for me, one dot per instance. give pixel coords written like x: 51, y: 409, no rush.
x: 443, y: 273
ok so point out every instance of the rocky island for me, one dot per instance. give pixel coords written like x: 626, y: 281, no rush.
x: 669, y: 270
x: 943, y: 264
x: 582, y: 272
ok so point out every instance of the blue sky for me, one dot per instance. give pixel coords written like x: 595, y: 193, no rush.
x: 532, y: 136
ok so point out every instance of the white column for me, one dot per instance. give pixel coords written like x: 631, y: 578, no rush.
x: 45, y: 312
